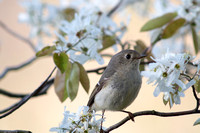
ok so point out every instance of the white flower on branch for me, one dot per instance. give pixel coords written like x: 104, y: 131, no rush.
x: 166, y: 75
x: 197, y: 62
x: 80, y: 122
x: 82, y: 38
x: 40, y: 16
x: 190, y: 10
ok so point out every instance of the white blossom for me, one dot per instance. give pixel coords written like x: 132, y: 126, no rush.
x: 40, y: 17
x: 190, y: 9
x: 166, y: 75
x: 197, y: 62
x: 82, y: 37
x: 177, y: 93
x: 83, y: 120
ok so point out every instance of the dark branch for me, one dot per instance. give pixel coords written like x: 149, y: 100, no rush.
x: 161, y: 114
x: 196, y: 97
x: 97, y: 71
x: 101, y: 69
x: 16, y: 35
x: 17, y: 67
x: 42, y: 92
x: 114, y: 8
x: 146, y: 63
x: 47, y: 85
x: 26, y: 98
x: 14, y: 131
x: 8, y: 108
x: 152, y: 112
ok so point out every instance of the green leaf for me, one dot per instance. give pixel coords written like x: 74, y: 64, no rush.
x: 85, y: 82
x: 61, y: 60
x: 69, y: 14
x: 197, y: 122
x: 60, y: 86
x: 140, y: 46
x: 158, y: 22
x: 172, y: 28
x: 68, y: 71
x: 60, y: 83
x: 195, y: 39
x: 142, y: 67
x: 197, y: 85
x: 107, y: 42
x: 73, y: 82
x: 46, y: 51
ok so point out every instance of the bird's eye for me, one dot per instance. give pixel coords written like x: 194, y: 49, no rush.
x: 128, y: 56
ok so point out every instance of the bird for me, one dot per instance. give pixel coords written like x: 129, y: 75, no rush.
x: 119, y: 84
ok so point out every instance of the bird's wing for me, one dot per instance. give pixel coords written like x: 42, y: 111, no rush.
x: 100, y: 85
x: 97, y: 88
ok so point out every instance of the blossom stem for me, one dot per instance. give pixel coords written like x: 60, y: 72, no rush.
x: 76, y: 43
x: 114, y: 8
x: 156, y: 40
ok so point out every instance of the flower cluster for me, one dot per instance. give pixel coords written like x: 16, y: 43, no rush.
x: 190, y: 10
x: 83, y: 121
x: 166, y: 73
x: 40, y: 17
x: 81, y: 32
x: 83, y: 37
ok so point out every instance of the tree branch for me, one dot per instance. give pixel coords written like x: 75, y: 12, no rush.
x: 42, y: 92
x: 16, y: 67
x: 97, y: 71
x: 26, y: 98
x: 47, y: 85
x: 16, y: 35
x: 196, y: 97
x: 114, y: 8
x: 152, y: 112
x: 14, y: 131
x: 161, y: 114
x: 8, y: 108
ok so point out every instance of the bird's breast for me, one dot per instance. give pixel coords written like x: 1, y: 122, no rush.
x: 119, y: 93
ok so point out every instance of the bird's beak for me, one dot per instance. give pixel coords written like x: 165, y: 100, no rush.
x: 142, y: 56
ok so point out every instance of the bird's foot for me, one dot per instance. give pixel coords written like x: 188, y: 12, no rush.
x: 130, y: 115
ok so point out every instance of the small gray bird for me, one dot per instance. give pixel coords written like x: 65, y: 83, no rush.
x: 120, y: 83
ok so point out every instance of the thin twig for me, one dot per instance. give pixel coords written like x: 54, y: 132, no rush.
x: 8, y: 108
x: 16, y: 35
x: 190, y: 63
x: 14, y: 95
x: 146, y: 63
x: 114, y: 8
x: 17, y: 67
x: 196, y: 97
x: 42, y: 92
x: 50, y: 82
x: 26, y: 98
x: 14, y: 131
x: 97, y: 71
x: 152, y: 112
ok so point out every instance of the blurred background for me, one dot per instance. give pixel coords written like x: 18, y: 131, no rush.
x: 41, y: 113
